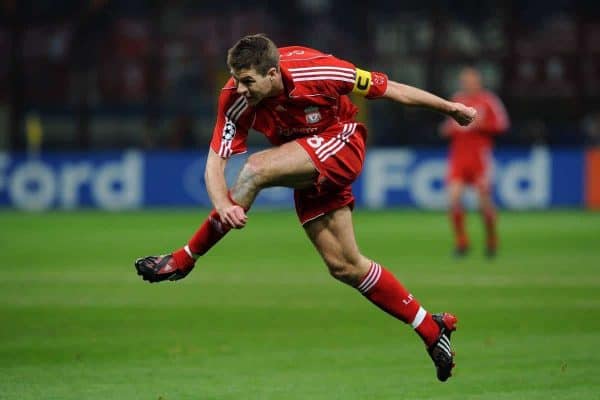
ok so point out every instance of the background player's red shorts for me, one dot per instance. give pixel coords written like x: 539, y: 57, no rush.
x: 338, y: 154
x: 473, y: 170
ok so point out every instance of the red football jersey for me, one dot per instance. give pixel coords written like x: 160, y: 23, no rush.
x: 314, y: 98
x: 477, y: 137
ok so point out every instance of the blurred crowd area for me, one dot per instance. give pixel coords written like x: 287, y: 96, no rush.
x: 98, y: 74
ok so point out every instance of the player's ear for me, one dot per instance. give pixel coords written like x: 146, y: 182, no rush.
x: 272, y: 73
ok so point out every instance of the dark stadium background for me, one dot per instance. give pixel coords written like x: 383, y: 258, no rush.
x: 108, y: 105
x: 144, y: 73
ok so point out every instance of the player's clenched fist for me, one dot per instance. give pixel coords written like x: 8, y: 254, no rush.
x: 462, y: 114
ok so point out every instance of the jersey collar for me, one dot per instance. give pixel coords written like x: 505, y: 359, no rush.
x: 288, y: 82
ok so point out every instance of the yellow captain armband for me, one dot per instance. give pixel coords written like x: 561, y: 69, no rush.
x: 362, y: 84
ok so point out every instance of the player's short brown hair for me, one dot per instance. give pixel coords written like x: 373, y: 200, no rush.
x: 253, y: 51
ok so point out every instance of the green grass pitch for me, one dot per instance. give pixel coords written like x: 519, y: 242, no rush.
x: 260, y: 318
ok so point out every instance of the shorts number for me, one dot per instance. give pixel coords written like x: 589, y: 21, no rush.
x: 315, y: 141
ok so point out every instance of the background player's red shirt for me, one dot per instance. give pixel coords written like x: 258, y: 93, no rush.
x: 314, y: 98
x: 476, y: 139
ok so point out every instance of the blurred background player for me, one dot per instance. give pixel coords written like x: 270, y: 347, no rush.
x: 470, y: 158
x: 298, y: 98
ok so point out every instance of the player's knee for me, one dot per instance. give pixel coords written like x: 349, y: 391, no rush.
x: 344, y: 271
x: 454, y: 199
x: 255, y: 171
x: 340, y: 272
x: 455, y: 205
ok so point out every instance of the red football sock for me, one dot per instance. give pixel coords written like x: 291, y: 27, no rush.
x: 489, y: 220
x: 183, y: 259
x: 209, y: 233
x: 386, y: 292
x: 457, y: 216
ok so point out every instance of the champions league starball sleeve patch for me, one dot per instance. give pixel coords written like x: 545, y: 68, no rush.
x: 229, y: 130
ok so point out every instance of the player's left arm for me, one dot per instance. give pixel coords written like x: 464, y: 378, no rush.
x: 496, y: 118
x: 374, y: 85
x: 412, y: 96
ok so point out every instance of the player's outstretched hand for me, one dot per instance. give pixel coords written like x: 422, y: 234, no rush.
x: 462, y: 114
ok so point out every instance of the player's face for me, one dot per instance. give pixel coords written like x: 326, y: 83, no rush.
x: 470, y: 80
x: 253, y: 85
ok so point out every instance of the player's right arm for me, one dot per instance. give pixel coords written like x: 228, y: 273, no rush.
x: 229, y: 137
x: 496, y: 118
x: 446, y: 128
x: 216, y: 186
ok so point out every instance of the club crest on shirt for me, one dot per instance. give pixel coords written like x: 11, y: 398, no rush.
x: 312, y: 115
x: 229, y: 130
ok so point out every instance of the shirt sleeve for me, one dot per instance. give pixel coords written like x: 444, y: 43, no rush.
x: 232, y: 125
x: 370, y: 84
x: 343, y: 77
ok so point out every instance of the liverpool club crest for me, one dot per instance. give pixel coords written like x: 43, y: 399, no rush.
x: 312, y: 115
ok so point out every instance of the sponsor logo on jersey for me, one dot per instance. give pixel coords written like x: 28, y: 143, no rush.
x: 304, y: 130
x: 312, y: 115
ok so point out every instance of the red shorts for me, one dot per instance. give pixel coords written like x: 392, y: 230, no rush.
x: 338, y: 154
x: 472, y: 171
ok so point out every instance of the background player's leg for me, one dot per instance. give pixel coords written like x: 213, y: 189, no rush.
x: 489, y: 216
x: 333, y: 237
x: 457, y: 217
